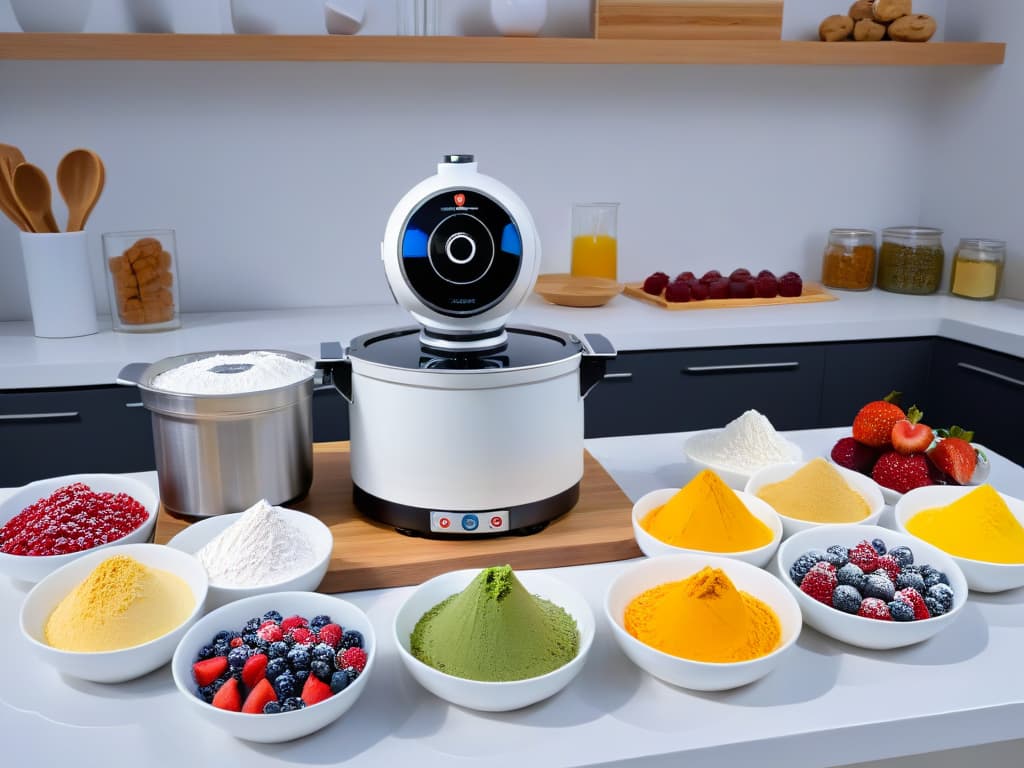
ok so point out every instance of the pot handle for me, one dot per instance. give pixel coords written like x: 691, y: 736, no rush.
x: 131, y: 374
x: 597, y: 351
x: 337, y: 368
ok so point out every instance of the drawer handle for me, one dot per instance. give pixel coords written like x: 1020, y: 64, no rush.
x: 992, y: 374
x: 133, y: 405
x: 741, y: 367
x: 618, y: 377
x: 38, y: 416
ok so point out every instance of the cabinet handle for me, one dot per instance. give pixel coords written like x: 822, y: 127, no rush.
x: 133, y: 405
x: 741, y: 367
x: 992, y: 374
x: 38, y: 416
x: 618, y: 377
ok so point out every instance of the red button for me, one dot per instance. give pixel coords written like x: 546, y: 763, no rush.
x: 444, y: 522
x: 496, y: 522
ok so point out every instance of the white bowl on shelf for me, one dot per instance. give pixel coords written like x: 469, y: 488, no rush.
x: 34, y: 568
x: 344, y: 17
x: 864, y: 486
x: 654, y: 547
x: 283, y: 726
x: 51, y: 15
x: 278, y: 17
x: 734, y: 478
x: 126, y: 663
x: 981, y: 576
x: 686, y: 673
x: 199, y: 534
x: 858, y: 630
x: 492, y: 696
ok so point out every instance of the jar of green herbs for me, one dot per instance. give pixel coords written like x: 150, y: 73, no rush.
x: 910, y: 260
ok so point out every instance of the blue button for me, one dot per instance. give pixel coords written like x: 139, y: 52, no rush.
x: 470, y: 522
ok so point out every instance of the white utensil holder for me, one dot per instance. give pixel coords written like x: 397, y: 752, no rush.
x: 59, y: 284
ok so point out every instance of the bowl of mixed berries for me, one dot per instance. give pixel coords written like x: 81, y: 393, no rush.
x: 897, y: 450
x: 275, y: 667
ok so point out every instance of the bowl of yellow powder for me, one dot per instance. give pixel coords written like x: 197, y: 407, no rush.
x: 494, y: 640
x: 815, y: 493
x: 981, y: 529
x: 706, y: 515
x: 116, y: 613
x: 702, y: 622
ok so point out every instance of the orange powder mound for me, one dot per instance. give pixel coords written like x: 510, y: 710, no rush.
x: 817, y: 493
x: 707, y: 515
x: 704, y: 618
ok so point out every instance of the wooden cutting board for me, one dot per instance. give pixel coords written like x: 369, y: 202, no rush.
x: 369, y: 555
x: 812, y: 292
x: 689, y: 19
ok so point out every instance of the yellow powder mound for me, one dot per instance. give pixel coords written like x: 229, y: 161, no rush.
x: 977, y: 526
x: 707, y: 515
x: 120, y: 604
x: 817, y: 493
x: 704, y: 618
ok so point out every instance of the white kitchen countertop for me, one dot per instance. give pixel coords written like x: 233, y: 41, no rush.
x: 827, y: 704
x: 27, y: 362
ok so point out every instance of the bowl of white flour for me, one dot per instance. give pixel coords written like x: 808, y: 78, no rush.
x: 738, y: 450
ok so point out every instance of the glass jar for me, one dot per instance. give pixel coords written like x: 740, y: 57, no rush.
x: 910, y: 260
x: 142, y: 279
x: 849, y: 260
x: 978, y: 268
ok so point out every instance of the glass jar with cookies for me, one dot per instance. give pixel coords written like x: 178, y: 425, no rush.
x: 141, y: 268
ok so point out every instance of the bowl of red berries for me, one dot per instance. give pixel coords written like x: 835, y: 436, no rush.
x: 275, y: 667
x: 871, y: 587
x: 48, y: 523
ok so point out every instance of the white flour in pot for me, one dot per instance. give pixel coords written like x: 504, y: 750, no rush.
x: 248, y: 372
x: 746, y: 444
x: 260, y: 548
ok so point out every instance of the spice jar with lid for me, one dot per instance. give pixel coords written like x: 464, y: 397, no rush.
x: 849, y: 259
x: 910, y: 260
x: 978, y: 268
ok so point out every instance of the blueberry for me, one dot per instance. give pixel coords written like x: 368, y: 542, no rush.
x: 273, y: 616
x: 879, y: 585
x: 942, y: 594
x: 878, y: 545
x: 838, y: 555
x: 804, y: 563
x: 300, y: 678
x: 260, y: 645
x: 352, y: 673
x: 238, y: 656
x: 251, y: 625
x: 319, y: 622
x: 322, y: 670
x: 935, y: 608
x: 271, y: 708
x: 275, y: 667
x: 339, y: 681
x: 322, y: 652
x: 933, y: 577
x: 901, y: 611
x: 851, y: 575
x: 846, y: 599
x: 223, y: 636
x: 277, y: 650
x: 285, y: 685
x: 299, y: 658
x: 903, y: 555
x: 206, y: 652
x: 206, y: 693
x: 221, y: 648
x: 250, y: 639
x: 351, y: 638
x: 911, y: 580
x: 292, y: 703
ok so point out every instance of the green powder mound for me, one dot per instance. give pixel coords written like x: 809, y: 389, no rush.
x: 495, y: 631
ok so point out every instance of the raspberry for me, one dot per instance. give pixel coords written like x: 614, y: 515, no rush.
x: 270, y: 632
x: 803, y: 564
x: 890, y: 565
x: 236, y: 641
x: 356, y: 657
x: 302, y: 636
x: 293, y: 621
x: 864, y: 557
x: 656, y: 283
x: 819, y: 583
x: 913, y: 597
x: 331, y: 634
x: 873, y: 608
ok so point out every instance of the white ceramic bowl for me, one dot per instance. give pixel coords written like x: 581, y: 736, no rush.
x: 344, y: 17
x: 197, y: 535
x: 51, y: 15
x: 857, y: 630
x: 734, y: 478
x: 489, y: 696
x: 110, y: 666
x: 274, y: 17
x: 981, y: 576
x: 32, y: 569
x: 865, y: 486
x: 283, y: 726
x: 700, y: 675
x: 655, y: 547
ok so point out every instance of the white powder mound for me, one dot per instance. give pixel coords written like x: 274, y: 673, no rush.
x: 746, y: 444
x: 233, y: 374
x: 260, y: 548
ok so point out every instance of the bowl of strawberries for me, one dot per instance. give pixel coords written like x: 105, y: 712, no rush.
x: 897, y: 450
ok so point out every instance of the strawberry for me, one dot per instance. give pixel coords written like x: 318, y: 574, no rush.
x: 954, y: 455
x: 890, y: 565
x: 873, y: 608
x: 205, y: 672
x: 330, y: 634
x: 864, y: 557
x: 851, y: 454
x: 913, y: 597
x: 229, y: 696
x: 261, y: 693
x: 270, y: 631
x: 293, y: 621
x: 909, y: 435
x: 255, y: 669
x: 356, y: 657
x: 315, y: 690
x: 874, y: 422
x: 819, y: 583
x: 901, y: 473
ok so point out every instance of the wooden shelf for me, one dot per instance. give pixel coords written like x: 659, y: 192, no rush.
x: 503, y: 50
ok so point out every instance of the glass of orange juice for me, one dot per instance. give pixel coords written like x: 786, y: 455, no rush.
x: 594, y: 240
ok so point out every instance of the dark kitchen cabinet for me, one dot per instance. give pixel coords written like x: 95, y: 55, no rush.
x: 330, y: 415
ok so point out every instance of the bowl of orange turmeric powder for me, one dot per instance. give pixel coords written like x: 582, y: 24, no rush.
x: 702, y: 622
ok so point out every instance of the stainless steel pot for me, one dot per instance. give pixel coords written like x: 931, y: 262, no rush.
x: 217, y: 454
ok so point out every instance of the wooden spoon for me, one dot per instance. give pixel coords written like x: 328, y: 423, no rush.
x: 9, y: 158
x: 32, y: 190
x: 80, y: 179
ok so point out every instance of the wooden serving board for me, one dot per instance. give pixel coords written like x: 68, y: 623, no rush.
x: 369, y: 555
x: 688, y: 19
x: 812, y: 292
